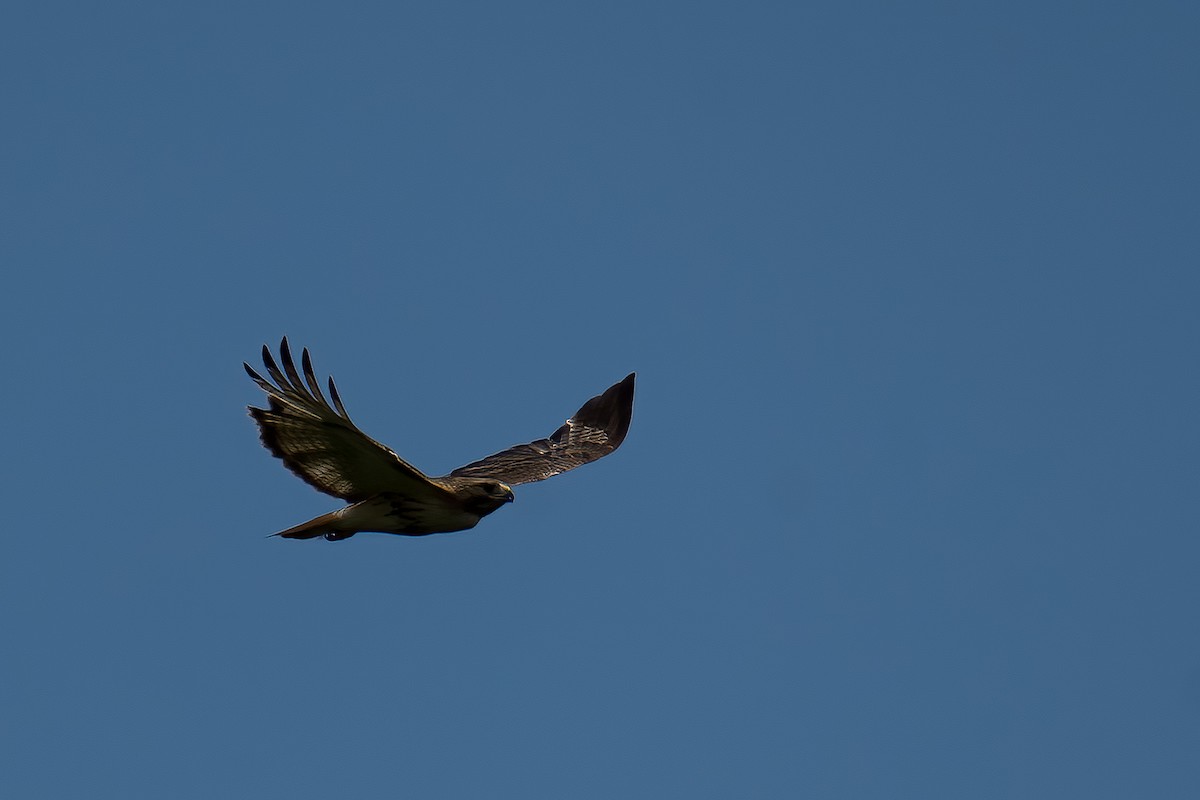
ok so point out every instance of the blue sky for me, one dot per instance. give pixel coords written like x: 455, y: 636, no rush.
x: 908, y: 507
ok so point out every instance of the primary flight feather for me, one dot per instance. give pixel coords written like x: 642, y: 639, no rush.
x: 318, y: 442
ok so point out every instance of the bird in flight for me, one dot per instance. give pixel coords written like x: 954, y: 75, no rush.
x: 318, y: 442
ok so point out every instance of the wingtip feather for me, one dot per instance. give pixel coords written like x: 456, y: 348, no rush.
x: 310, y: 376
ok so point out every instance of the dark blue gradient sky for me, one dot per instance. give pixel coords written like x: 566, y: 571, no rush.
x: 909, y: 503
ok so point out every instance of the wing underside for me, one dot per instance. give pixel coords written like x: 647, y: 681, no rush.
x: 595, y: 430
x: 318, y: 442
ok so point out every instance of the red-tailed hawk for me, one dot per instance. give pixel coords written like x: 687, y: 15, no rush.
x: 320, y: 444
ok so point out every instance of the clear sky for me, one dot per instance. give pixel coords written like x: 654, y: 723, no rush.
x: 909, y: 503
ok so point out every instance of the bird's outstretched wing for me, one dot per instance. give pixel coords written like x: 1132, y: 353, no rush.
x: 320, y: 444
x: 594, y: 431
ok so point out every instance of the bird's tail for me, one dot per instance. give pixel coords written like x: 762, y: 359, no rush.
x: 326, y: 525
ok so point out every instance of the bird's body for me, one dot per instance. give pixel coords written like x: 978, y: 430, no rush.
x: 319, y: 443
x: 394, y: 513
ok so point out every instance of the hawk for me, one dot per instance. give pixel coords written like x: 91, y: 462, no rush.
x: 318, y: 442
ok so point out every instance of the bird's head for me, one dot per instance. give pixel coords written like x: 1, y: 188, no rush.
x: 485, y: 495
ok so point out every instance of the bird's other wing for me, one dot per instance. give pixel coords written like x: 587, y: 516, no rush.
x: 320, y: 444
x: 594, y: 431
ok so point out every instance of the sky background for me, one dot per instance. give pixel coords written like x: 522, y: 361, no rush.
x: 909, y: 503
